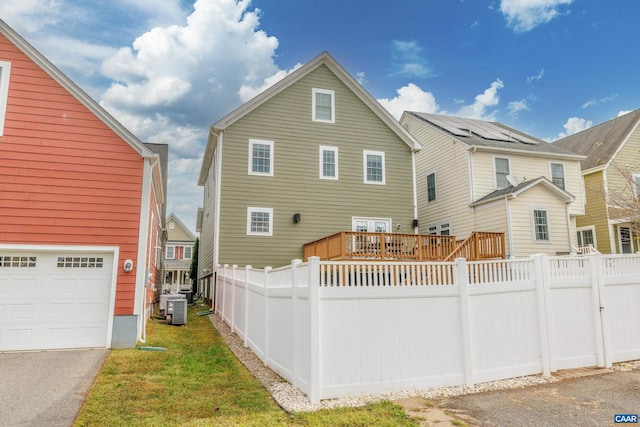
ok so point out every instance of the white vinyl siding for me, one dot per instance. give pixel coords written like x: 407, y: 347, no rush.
x: 259, y: 221
x: 5, y: 70
x: 328, y: 162
x: 323, y: 105
x: 260, y: 157
x: 373, y: 165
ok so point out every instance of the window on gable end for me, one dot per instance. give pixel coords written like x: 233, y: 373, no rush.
x: 557, y: 174
x: 260, y: 157
x: 323, y: 105
x: 502, y: 170
x: 541, y: 225
x: 328, y: 162
x: 5, y: 70
x: 259, y: 221
x: 373, y: 165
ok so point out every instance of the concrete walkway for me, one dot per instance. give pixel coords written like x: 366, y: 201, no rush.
x: 46, y: 388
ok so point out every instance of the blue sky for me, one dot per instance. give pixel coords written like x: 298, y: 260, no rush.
x: 167, y: 69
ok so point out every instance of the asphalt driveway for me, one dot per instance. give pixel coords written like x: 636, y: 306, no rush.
x: 46, y: 388
x: 587, y: 401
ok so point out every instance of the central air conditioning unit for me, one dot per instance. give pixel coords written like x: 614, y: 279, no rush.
x: 165, y: 298
x: 177, y: 308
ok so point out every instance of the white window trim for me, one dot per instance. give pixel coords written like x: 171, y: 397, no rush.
x: 564, y: 172
x: 271, y: 156
x: 324, y: 148
x: 495, y: 170
x: 313, y: 105
x: 636, y: 187
x: 370, y: 221
x: 435, y: 185
x: 593, y: 231
x: 533, y: 224
x: 5, y: 72
x: 250, y: 210
x: 365, y: 153
x: 173, y: 255
x: 438, y: 227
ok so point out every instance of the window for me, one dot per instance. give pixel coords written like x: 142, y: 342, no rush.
x: 378, y: 225
x: 373, y: 167
x: 79, y: 262
x: 441, y: 228
x: 323, y: 108
x: 17, y: 261
x: 171, y: 252
x: 433, y: 229
x: 586, y: 237
x: 328, y: 162
x: 557, y: 174
x: 636, y: 184
x: 540, y: 225
x: 431, y: 187
x: 187, y: 252
x: 5, y: 69
x: 502, y: 170
x: 260, y: 157
x: 260, y: 221
x: 172, y: 225
x: 445, y: 229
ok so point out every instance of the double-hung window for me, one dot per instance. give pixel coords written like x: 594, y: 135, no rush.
x: 540, y: 225
x: 328, y: 162
x: 171, y: 252
x: 431, y: 187
x: 502, y: 170
x: 373, y: 166
x: 5, y: 69
x: 557, y: 174
x: 260, y: 221
x: 260, y: 157
x: 187, y: 252
x: 323, y: 105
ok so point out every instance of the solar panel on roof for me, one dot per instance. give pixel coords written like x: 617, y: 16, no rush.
x: 463, y: 127
x: 525, y: 139
x: 448, y: 125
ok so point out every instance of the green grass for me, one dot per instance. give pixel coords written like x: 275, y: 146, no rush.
x: 199, y: 382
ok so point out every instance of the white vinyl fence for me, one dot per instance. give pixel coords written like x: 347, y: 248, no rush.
x: 346, y: 328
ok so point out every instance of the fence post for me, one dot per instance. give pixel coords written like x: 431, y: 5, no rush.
x: 601, y: 324
x: 246, y: 305
x: 295, y: 277
x: 267, y: 270
x: 233, y: 297
x: 541, y: 276
x: 224, y: 291
x: 314, y: 323
x: 461, y: 277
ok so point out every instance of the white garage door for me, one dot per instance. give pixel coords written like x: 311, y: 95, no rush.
x: 54, y: 300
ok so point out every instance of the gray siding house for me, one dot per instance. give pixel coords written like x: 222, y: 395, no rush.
x: 313, y: 155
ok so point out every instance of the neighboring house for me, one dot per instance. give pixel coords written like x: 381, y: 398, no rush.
x: 611, y: 174
x: 81, y: 212
x: 478, y: 176
x: 177, y: 256
x: 312, y: 155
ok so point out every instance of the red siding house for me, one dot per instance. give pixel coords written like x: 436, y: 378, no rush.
x: 81, y: 213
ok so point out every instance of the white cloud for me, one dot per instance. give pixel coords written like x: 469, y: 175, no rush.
x: 361, y: 77
x: 594, y: 102
x: 489, y: 98
x: 534, y: 79
x: 623, y: 112
x: 246, y: 92
x: 28, y: 16
x: 524, y: 15
x: 410, y: 98
x: 408, y: 60
x: 574, y: 125
x: 515, y: 107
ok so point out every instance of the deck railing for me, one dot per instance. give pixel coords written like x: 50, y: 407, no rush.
x: 381, y: 246
x: 347, y: 245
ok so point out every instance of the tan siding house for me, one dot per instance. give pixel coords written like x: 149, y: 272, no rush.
x: 307, y: 158
x: 611, y: 172
x: 462, y: 184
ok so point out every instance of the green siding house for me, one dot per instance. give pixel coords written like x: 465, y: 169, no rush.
x: 312, y: 155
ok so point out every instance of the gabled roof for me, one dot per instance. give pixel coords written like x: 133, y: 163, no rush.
x: 323, y: 59
x: 600, y: 143
x: 74, y: 90
x: 176, y: 220
x: 514, y: 191
x: 492, y: 136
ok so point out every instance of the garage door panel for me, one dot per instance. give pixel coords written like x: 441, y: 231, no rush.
x: 50, y: 301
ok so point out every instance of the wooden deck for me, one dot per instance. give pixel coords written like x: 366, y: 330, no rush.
x: 348, y: 245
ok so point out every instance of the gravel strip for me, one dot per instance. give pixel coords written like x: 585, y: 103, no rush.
x: 293, y: 400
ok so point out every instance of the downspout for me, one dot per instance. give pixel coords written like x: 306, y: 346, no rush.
x: 569, y: 229
x: 143, y: 242
x: 471, y: 151
x: 415, y: 192
x: 216, y: 220
x: 509, y: 226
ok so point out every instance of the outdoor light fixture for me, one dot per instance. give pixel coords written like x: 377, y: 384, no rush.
x: 399, y: 226
x: 296, y: 218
